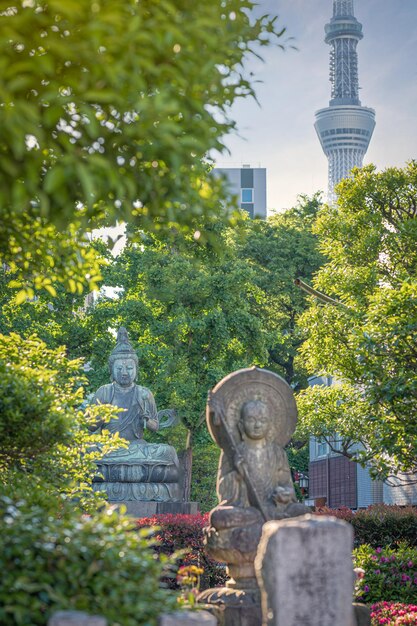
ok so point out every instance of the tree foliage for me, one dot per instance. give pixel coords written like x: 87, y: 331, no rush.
x: 46, y: 448
x: 368, y: 342
x: 279, y: 250
x: 107, y: 111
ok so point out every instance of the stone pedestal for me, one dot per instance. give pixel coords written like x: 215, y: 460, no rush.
x: 305, y: 573
x: 148, y: 509
x: 234, y: 607
x: 362, y: 615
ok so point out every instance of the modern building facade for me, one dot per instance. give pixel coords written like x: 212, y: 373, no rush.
x: 335, y: 481
x: 345, y: 127
x: 249, y: 185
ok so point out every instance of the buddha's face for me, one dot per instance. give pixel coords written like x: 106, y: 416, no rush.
x: 124, y: 372
x: 255, y: 420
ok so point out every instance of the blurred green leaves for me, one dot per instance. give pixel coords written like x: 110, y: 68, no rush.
x: 107, y: 113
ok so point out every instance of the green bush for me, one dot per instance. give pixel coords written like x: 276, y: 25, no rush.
x: 46, y: 447
x: 380, y: 524
x: 390, y: 575
x: 100, y: 565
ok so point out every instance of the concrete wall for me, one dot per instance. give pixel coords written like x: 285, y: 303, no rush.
x: 369, y: 491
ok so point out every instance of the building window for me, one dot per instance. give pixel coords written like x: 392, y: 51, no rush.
x: 322, y: 448
x: 247, y: 196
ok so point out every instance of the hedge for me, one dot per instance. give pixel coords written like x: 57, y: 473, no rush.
x: 185, y: 533
x: 380, y: 524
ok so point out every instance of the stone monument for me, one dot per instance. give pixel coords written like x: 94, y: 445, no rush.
x: 144, y: 476
x: 251, y: 414
x: 316, y: 583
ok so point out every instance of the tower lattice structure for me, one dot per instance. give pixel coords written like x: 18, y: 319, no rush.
x: 345, y: 127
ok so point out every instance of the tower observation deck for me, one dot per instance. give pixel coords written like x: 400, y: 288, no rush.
x: 345, y: 127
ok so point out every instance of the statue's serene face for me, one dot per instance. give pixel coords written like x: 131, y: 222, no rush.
x: 255, y: 420
x: 124, y: 372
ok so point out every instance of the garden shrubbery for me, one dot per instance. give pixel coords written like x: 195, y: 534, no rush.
x: 380, y: 524
x: 390, y: 575
x: 185, y: 533
x: 385, y: 539
x: 70, y: 561
x: 393, y: 614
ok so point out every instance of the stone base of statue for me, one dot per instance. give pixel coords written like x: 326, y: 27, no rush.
x: 145, y: 478
x: 141, y: 473
x: 232, y: 537
x: 233, y: 607
x: 149, y: 509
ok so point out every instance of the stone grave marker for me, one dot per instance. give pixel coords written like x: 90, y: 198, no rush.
x: 305, y: 573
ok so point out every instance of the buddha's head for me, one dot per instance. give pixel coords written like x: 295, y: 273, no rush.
x: 255, y: 419
x: 124, y: 371
x: 123, y: 361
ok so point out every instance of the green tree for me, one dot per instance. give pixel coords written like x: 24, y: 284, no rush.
x: 107, y: 113
x: 98, y: 564
x: 367, y: 342
x: 55, y: 320
x: 190, y: 311
x: 46, y: 448
x: 279, y: 250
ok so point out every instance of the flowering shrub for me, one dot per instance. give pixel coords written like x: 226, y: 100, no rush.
x: 393, y: 614
x: 380, y: 524
x: 389, y: 574
x: 185, y: 533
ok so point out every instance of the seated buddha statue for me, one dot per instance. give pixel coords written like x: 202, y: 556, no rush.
x: 142, y: 471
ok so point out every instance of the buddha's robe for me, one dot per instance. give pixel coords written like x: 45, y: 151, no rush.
x: 137, y: 408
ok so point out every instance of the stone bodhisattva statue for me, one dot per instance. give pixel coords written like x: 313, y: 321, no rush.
x: 142, y: 471
x: 251, y: 415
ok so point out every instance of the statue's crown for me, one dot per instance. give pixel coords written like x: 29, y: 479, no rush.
x: 123, y: 348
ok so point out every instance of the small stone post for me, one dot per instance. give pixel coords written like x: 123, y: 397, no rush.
x: 305, y: 573
x: 76, y: 618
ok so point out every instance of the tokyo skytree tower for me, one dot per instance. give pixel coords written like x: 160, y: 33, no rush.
x: 345, y: 127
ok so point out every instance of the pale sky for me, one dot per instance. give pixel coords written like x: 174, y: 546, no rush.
x: 280, y: 135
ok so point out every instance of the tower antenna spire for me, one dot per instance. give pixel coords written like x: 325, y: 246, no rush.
x: 345, y: 127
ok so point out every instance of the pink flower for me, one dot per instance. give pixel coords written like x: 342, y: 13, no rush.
x: 359, y: 572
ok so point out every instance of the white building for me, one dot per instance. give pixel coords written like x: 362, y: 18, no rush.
x: 249, y: 185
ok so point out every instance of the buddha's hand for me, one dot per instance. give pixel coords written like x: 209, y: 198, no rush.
x: 239, y: 463
x: 151, y: 423
x: 282, y: 495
